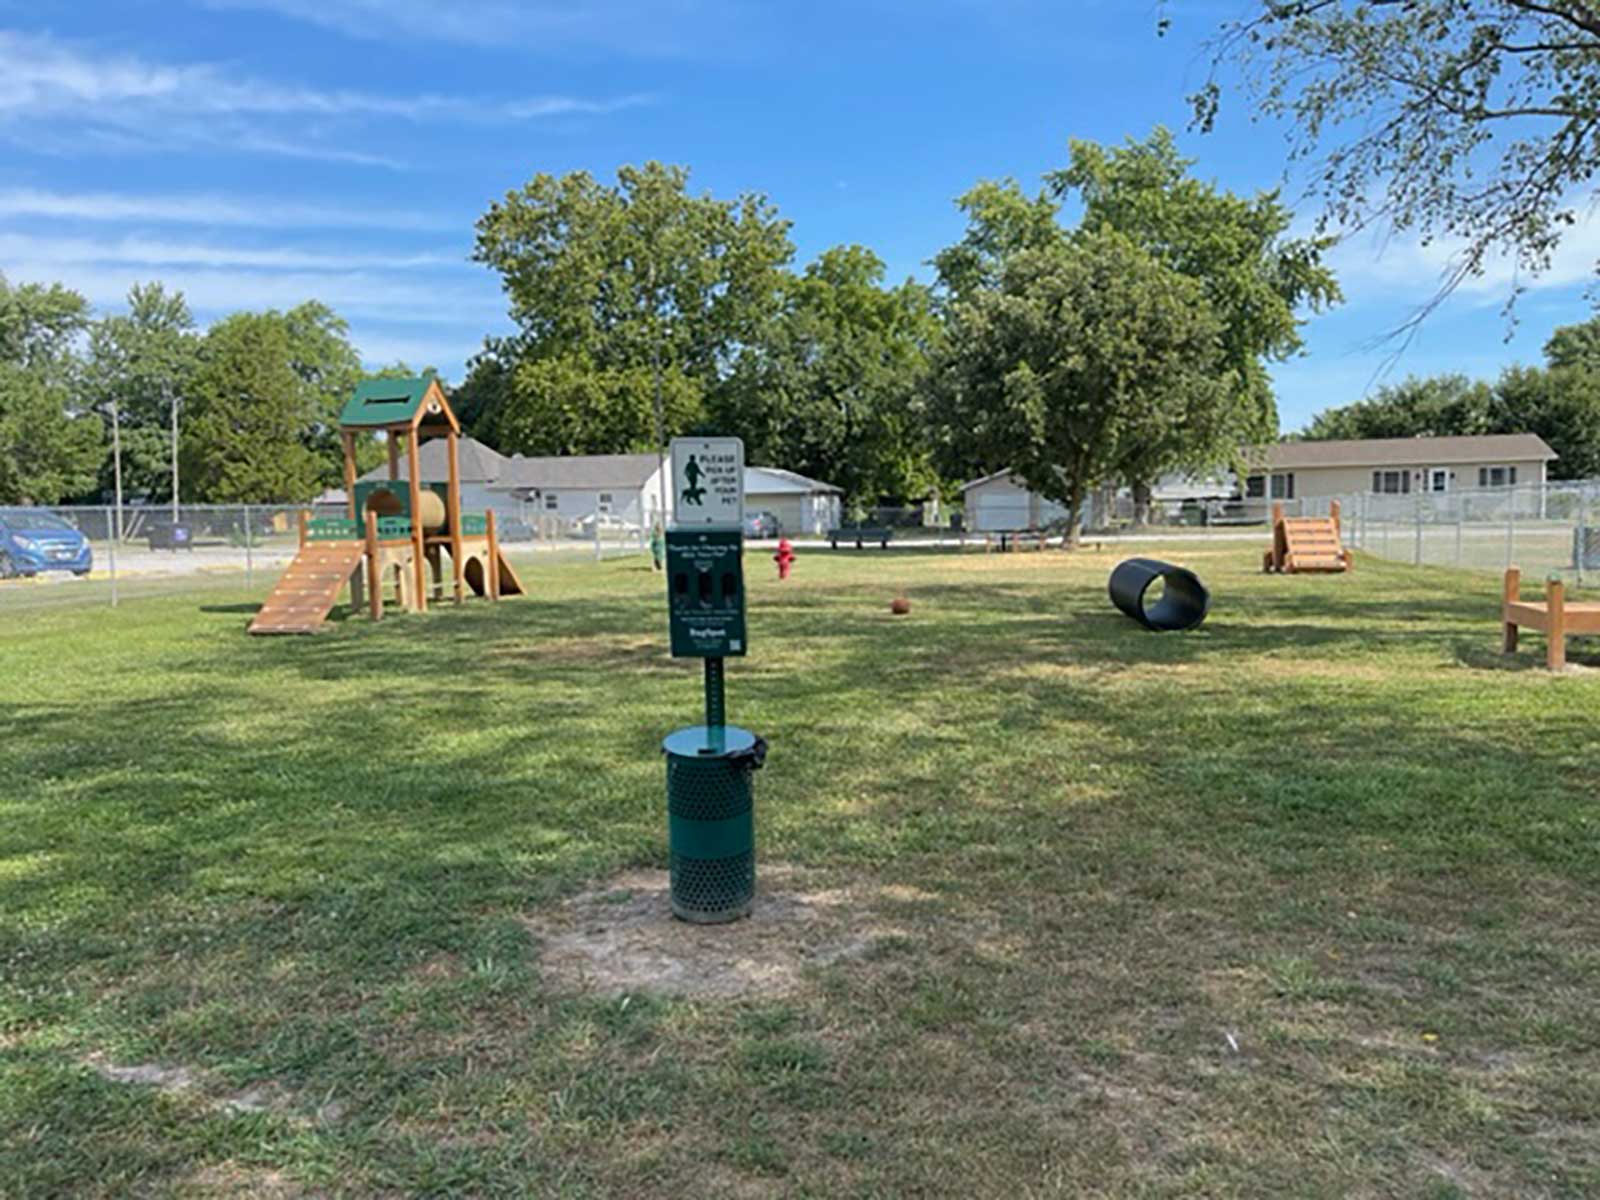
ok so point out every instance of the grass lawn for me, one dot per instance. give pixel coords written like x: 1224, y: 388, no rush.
x: 1301, y: 904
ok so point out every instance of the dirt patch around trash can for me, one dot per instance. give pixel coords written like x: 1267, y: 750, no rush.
x: 622, y: 937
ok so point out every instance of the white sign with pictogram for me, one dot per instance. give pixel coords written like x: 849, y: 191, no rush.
x: 708, y: 482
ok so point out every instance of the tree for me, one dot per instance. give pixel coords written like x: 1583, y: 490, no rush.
x: 1002, y: 221
x: 1562, y: 406
x: 140, y: 363
x: 1575, y: 346
x: 328, y: 368
x: 48, y: 448
x: 1472, y: 121
x: 1079, y: 350
x: 249, y: 410
x: 1255, y: 279
x: 831, y: 386
x: 1441, y: 406
x: 621, y: 294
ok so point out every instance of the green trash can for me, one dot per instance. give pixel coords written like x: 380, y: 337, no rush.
x: 711, y: 827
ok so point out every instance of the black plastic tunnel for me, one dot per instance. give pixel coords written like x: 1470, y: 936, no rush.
x: 1184, y: 600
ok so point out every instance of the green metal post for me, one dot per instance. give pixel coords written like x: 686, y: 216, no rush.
x: 716, y: 704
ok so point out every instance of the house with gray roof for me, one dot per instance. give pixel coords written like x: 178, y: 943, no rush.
x: 1396, y: 466
x: 558, y: 491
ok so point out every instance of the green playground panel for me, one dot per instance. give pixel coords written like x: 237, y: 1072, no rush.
x: 402, y: 493
x: 333, y: 529
x: 474, y: 524
x: 393, y: 529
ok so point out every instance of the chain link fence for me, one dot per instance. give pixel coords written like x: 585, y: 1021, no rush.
x: 98, y: 555
x: 1545, y: 529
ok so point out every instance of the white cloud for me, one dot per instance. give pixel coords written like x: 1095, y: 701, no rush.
x: 220, y: 290
x: 135, y: 250
x: 1400, y: 267
x: 121, y: 98
x: 650, y: 28
x: 256, y: 212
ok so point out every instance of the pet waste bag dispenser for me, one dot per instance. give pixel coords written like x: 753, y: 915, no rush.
x: 710, y: 767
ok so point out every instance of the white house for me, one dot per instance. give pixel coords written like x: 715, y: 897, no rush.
x: 802, y: 506
x: 1302, y: 470
x: 1001, y: 501
x: 628, y: 487
x: 563, y: 489
x: 1397, y: 466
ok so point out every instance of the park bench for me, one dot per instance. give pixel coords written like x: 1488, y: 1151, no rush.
x: 861, y: 535
x: 1015, y: 539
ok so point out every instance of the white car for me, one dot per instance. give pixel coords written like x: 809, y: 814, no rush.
x: 609, y: 524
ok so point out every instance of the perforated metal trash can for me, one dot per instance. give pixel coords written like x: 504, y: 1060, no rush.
x: 711, y: 828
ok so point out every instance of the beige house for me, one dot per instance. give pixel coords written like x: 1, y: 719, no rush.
x: 1396, y: 466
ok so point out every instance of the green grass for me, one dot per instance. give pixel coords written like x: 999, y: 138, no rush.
x: 1333, y: 826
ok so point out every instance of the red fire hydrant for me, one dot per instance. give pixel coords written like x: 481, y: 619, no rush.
x: 784, y: 557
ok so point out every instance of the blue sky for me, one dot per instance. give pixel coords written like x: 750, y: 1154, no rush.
x: 259, y: 152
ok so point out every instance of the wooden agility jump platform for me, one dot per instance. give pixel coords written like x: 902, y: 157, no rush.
x: 1307, y: 543
x: 1554, y: 617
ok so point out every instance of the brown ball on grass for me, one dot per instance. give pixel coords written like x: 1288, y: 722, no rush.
x: 900, y: 606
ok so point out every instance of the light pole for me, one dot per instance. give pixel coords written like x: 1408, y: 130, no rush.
x: 172, y: 400
x: 116, y: 465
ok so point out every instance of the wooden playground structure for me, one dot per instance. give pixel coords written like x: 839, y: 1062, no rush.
x: 1307, y: 543
x: 1554, y: 617
x: 396, y: 532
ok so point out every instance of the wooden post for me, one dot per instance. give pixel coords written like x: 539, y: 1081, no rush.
x: 455, y: 512
x: 1280, y: 546
x: 374, y: 573
x: 420, y: 574
x: 1335, y: 511
x: 1511, y: 592
x: 492, y: 582
x: 1556, y: 595
x: 305, y: 517
x: 349, y: 441
x: 394, y: 455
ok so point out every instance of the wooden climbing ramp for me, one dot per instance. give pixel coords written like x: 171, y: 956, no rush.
x: 1307, y: 543
x: 309, y: 588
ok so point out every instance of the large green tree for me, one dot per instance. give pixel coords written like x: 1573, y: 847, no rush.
x: 1561, y: 404
x: 613, y: 288
x: 1476, y: 121
x: 1257, y: 281
x: 832, y: 386
x: 328, y: 368
x: 1575, y: 346
x: 140, y: 365
x: 249, y: 411
x: 49, y: 448
x: 1076, y: 351
x: 1437, y: 406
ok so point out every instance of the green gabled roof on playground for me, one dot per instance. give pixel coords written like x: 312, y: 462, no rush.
x: 380, y: 402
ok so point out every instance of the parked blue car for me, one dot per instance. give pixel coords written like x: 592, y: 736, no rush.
x: 35, y: 539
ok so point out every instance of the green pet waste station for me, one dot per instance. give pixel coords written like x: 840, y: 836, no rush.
x: 711, y: 829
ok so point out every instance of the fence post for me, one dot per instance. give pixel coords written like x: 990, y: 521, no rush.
x: 1580, y: 540
x: 1416, y: 557
x: 111, y: 564
x: 1511, y: 528
x: 1461, y: 515
x: 249, y: 556
x: 597, y: 535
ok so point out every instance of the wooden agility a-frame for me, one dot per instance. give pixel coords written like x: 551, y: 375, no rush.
x: 419, y: 524
x: 1307, y: 543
